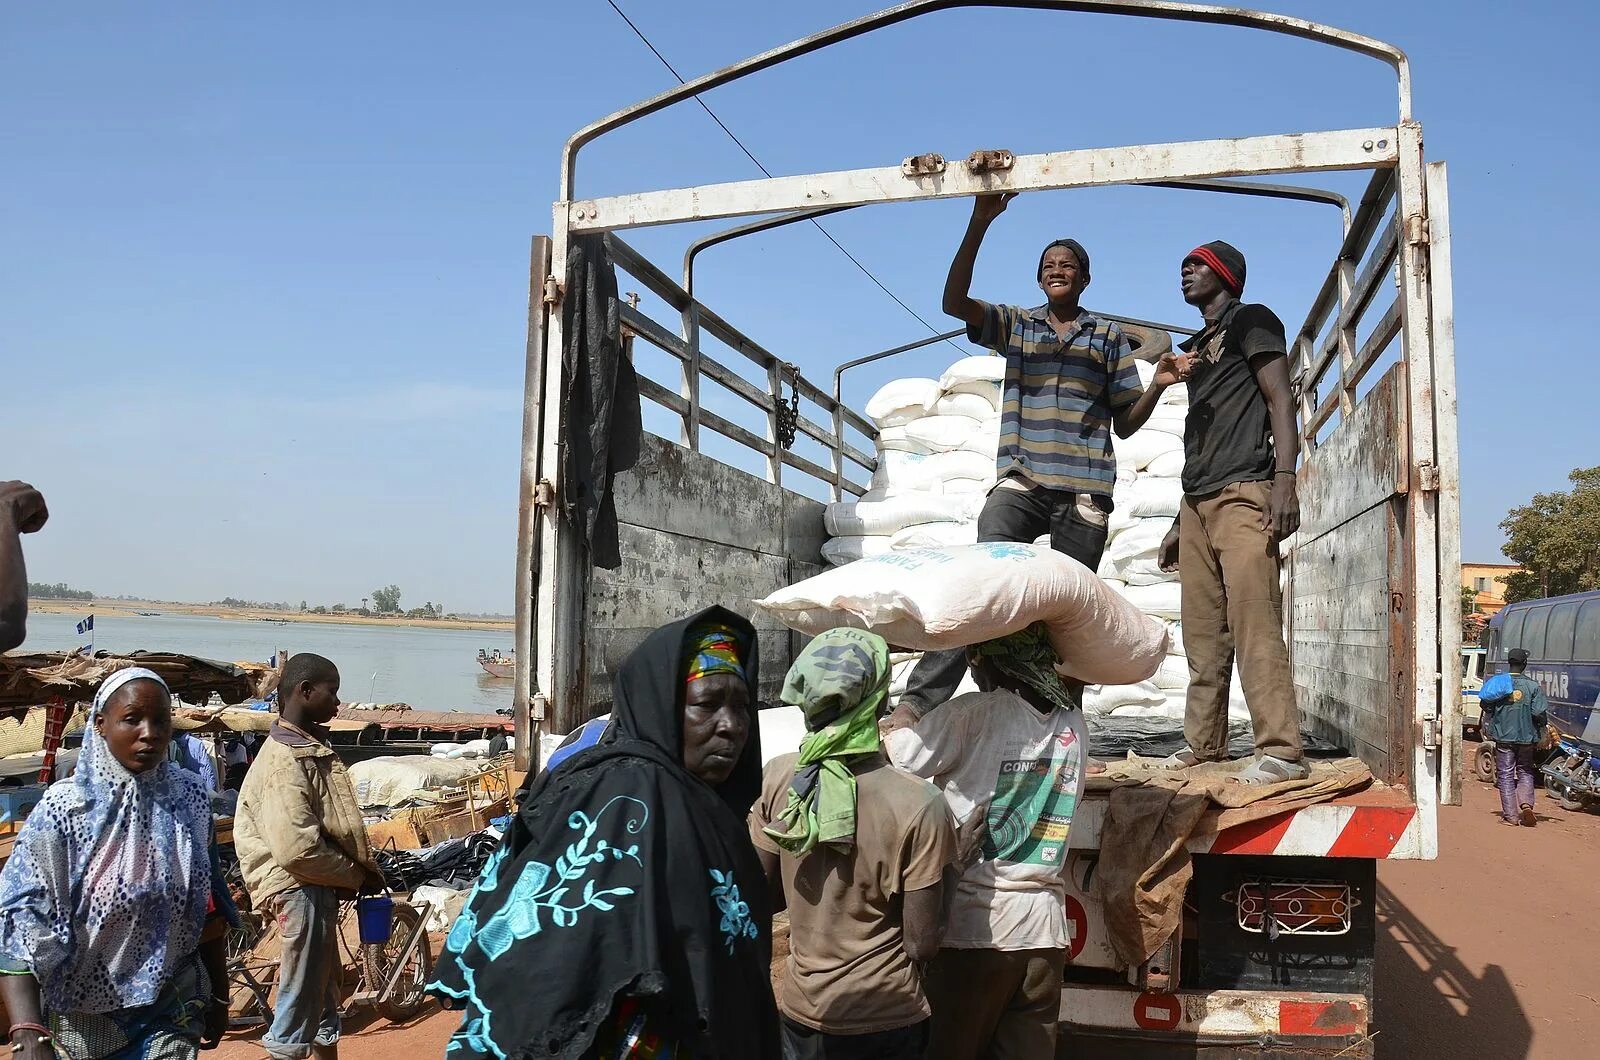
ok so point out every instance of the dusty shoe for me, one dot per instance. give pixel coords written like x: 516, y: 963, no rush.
x: 1528, y: 817
x: 1268, y: 770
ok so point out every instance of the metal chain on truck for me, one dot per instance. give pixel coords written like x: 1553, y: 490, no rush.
x: 787, y: 417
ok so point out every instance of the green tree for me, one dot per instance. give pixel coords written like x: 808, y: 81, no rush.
x: 386, y: 601
x: 58, y: 591
x: 1555, y: 538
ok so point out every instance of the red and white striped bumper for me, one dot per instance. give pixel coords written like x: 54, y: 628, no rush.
x: 1249, y: 1015
x: 1336, y: 830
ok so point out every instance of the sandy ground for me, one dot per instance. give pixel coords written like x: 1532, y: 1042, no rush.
x: 128, y: 607
x: 1486, y: 952
x: 1490, y: 950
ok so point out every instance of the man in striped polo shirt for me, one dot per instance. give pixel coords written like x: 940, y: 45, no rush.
x: 1070, y: 380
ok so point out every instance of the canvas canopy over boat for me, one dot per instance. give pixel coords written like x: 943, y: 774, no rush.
x: 35, y: 678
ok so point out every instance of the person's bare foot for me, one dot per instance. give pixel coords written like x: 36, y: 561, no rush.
x: 1095, y: 767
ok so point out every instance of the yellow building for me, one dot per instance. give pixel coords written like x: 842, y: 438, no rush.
x: 1489, y: 581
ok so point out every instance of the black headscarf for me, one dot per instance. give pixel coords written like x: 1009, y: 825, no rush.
x: 664, y: 897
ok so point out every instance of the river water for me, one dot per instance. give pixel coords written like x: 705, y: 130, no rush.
x: 431, y: 669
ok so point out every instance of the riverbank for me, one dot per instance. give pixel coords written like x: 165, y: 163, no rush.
x: 249, y: 614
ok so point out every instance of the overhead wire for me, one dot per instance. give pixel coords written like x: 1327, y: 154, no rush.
x: 768, y: 173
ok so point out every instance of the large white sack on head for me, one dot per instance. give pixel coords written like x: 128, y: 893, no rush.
x: 1102, y: 699
x: 1167, y: 465
x: 1143, y: 538
x: 978, y: 406
x: 984, y: 368
x: 1174, y: 673
x: 961, y: 464
x: 1162, y: 600
x: 901, y: 400
x: 1137, y: 452
x: 857, y: 518
x: 946, y: 434
x: 1151, y: 497
x: 841, y: 550
x: 933, y: 599
x: 935, y: 535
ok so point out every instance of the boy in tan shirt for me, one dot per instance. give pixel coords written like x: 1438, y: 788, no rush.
x: 302, y: 846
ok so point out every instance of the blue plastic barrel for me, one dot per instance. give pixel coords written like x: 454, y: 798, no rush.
x: 375, y: 917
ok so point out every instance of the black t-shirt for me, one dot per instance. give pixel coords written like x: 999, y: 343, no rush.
x: 1228, y: 435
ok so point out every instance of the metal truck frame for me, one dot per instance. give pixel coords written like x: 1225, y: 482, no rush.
x: 1374, y: 630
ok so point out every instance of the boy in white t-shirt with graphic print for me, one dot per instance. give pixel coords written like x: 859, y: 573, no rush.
x: 1015, y: 751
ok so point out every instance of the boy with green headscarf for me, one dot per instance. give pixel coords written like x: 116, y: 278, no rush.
x: 858, y: 850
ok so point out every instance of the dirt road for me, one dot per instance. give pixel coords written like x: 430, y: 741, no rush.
x: 1487, y: 952
x: 1490, y: 950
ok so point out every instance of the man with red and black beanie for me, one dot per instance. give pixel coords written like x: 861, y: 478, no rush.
x: 1240, y: 443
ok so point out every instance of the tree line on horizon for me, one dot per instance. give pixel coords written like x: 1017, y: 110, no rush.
x: 385, y: 603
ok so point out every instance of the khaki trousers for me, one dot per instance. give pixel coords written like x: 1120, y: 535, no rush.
x: 1233, y: 605
x: 994, y: 1004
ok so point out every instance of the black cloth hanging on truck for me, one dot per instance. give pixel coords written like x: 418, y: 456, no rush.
x: 600, y: 406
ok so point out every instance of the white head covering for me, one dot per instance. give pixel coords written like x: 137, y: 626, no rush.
x: 105, y: 892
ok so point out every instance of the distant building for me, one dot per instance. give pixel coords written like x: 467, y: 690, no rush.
x: 1488, y: 580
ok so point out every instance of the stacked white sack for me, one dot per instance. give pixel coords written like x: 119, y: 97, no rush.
x: 936, y: 458
x: 1148, y: 492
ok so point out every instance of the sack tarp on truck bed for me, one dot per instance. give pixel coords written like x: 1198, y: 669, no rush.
x: 1145, y: 864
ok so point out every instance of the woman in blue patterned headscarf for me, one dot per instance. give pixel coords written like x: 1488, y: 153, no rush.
x: 110, y: 895
x: 625, y: 913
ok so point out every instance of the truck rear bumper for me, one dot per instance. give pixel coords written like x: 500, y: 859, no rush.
x: 1379, y: 823
x: 1114, y: 1021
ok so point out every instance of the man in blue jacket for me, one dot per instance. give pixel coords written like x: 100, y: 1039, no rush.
x: 1514, y: 720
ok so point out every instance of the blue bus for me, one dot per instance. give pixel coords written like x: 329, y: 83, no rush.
x: 1562, y: 638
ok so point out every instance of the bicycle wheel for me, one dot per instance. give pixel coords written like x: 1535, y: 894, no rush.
x: 380, y: 958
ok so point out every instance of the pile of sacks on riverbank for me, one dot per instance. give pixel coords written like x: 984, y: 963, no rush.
x: 936, y: 462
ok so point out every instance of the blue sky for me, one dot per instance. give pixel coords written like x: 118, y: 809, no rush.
x: 263, y: 277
